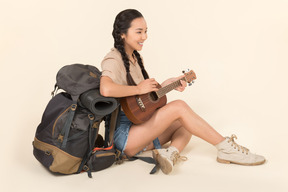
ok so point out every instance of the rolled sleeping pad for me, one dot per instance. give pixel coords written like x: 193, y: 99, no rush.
x: 98, y: 104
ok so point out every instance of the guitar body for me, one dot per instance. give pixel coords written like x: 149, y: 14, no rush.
x: 140, y: 108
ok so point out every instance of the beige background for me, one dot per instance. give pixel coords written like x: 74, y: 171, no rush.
x: 238, y: 50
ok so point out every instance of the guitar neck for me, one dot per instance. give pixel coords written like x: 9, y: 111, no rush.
x: 164, y: 90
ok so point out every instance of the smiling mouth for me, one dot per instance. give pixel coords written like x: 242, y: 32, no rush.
x: 140, y: 44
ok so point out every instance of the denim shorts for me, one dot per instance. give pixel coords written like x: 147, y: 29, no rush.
x: 121, y: 132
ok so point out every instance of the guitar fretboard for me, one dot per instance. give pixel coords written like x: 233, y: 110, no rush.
x: 164, y: 90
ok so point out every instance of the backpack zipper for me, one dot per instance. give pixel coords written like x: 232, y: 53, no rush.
x: 53, y: 129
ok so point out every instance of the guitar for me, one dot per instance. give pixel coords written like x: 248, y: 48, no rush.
x: 140, y: 108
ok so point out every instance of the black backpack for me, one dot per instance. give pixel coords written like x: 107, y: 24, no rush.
x: 67, y: 140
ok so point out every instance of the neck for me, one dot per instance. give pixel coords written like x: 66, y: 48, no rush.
x: 129, y: 52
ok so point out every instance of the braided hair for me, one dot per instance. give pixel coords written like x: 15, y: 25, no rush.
x: 121, y: 25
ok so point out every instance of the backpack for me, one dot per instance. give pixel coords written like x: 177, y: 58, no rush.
x: 67, y: 140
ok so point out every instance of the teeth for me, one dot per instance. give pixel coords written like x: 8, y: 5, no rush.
x: 141, y: 43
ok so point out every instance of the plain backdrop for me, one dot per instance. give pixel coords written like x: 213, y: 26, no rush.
x: 238, y: 49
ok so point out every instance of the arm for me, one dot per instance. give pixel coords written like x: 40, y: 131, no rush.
x: 110, y: 89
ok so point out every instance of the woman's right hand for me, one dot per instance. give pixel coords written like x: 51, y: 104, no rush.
x: 147, y: 85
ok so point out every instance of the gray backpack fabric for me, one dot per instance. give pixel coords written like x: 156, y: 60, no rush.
x: 76, y: 79
x: 67, y: 140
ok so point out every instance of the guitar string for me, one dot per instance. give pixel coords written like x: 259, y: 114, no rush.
x: 164, y: 90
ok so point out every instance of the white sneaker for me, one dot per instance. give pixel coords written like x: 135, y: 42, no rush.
x: 167, y: 158
x: 230, y: 152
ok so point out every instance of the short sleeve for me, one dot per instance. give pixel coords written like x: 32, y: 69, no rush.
x: 113, y: 68
x: 107, y: 66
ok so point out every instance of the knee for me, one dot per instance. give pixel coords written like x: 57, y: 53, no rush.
x: 180, y: 105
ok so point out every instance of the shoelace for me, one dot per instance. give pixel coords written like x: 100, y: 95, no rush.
x: 175, y: 157
x: 239, y: 147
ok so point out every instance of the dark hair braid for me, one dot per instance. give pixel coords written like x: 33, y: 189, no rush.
x: 121, y: 25
x: 140, y: 62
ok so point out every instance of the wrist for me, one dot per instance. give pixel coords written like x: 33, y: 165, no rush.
x: 138, y: 90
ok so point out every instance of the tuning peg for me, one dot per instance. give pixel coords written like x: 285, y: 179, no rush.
x: 186, y: 71
x: 191, y: 83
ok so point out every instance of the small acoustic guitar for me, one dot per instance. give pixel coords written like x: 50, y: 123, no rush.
x: 140, y: 108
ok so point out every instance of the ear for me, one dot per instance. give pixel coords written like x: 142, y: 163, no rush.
x: 123, y: 36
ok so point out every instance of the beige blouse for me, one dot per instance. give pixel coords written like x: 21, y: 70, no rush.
x: 113, y: 67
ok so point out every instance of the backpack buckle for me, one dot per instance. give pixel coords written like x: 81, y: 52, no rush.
x: 73, y: 107
x: 91, y: 117
x: 85, y: 168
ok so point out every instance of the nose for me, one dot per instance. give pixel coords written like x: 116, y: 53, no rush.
x: 144, y: 36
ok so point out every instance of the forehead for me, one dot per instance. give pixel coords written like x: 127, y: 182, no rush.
x: 139, y: 23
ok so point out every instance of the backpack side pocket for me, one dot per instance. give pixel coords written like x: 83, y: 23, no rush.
x: 55, y: 159
x: 103, y: 158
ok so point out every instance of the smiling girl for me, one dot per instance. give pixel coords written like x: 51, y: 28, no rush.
x: 123, y: 74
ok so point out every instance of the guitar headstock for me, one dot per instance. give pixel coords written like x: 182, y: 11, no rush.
x: 190, y: 76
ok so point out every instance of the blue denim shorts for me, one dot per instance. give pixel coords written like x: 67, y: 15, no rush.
x: 121, y: 132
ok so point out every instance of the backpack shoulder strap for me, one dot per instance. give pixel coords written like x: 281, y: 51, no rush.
x: 68, y: 123
x: 113, y: 123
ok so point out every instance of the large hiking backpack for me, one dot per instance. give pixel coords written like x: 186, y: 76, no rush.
x: 67, y: 140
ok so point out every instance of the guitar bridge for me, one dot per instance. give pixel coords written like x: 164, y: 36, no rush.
x: 140, y: 104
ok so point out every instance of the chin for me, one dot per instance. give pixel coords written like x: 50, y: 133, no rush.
x: 139, y: 49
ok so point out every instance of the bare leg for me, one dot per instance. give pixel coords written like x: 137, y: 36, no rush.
x: 142, y: 135
x: 177, y: 134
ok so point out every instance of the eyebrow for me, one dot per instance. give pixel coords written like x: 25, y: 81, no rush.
x: 141, y: 29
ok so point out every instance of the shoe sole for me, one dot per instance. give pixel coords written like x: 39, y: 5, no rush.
x: 165, y: 166
x: 233, y: 162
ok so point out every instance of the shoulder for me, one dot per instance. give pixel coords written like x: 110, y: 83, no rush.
x: 112, y: 64
x: 112, y: 59
x: 113, y: 54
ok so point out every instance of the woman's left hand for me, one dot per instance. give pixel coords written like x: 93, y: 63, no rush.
x: 182, y: 87
x: 171, y: 80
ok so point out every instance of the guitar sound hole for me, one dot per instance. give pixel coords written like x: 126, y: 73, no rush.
x: 153, y: 96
